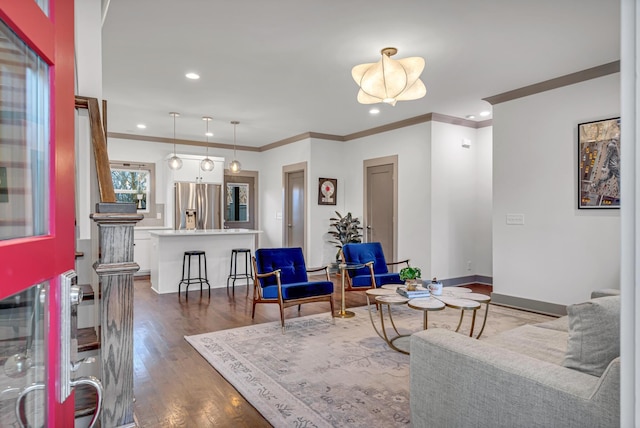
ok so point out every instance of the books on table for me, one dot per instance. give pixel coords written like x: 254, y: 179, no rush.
x: 418, y: 292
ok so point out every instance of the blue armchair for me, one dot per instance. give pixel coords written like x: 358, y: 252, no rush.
x: 376, y: 272
x: 280, y: 276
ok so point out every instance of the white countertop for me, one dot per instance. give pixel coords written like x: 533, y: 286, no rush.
x: 204, y: 232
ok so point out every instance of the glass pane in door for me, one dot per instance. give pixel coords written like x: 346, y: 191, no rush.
x: 24, y: 139
x: 44, y: 5
x: 22, y: 357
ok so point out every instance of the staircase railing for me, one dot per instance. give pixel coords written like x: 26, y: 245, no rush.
x: 115, y: 268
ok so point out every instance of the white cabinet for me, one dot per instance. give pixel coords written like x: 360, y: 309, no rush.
x: 142, y: 249
x: 192, y: 172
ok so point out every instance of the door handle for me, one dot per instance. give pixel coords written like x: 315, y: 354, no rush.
x: 289, y: 225
x: 88, y: 380
x: 368, y: 227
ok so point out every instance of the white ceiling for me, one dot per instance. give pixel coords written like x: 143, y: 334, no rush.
x: 283, y: 67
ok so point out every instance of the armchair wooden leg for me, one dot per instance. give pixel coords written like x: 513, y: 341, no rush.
x: 282, y: 316
x: 332, y: 311
x: 253, y: 310
x: 299, y: 306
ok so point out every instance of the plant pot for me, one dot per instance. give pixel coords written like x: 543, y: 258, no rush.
x: 411, y: 284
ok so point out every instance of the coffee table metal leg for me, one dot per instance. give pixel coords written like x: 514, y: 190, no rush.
x: 371, y: 318
x: 460, y: 322
x: 384, y: 332
x: 473, y: 323
x: 484, y: 321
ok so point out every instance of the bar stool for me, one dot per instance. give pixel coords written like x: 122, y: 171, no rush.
x: 188, y: 280
x: 233, y: 268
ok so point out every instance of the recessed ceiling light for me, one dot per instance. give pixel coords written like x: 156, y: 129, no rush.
x: 485, y: 113
x: 192, y: 76
x: 209, y: 134
x: 470, y: 116
x: 374, y: 111
x: 141, y: 126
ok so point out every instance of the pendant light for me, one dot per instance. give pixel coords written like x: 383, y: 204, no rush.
x: 234, y: 166
x: 207, y: 164
x: 174, y: 161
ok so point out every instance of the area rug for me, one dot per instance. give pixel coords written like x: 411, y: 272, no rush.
x: 324, y: 372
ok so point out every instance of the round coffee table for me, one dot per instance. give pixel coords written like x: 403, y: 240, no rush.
x: 386, y: 297
x: 426, y: 304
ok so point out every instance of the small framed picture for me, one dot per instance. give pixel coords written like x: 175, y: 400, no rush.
x: 599, y: 164
x: 327, y: 190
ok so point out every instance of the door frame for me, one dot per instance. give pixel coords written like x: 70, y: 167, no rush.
x: 51, y: 36
x: 254, y: 198
x: 286, y: 170
x: 385, y: 160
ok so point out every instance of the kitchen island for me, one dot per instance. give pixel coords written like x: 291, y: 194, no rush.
x: 168, y: 247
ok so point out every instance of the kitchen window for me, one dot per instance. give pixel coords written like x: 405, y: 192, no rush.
x: 134, y: 182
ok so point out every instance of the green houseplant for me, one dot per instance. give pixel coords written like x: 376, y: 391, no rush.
x: 344, y: 230
x: 410, y: 275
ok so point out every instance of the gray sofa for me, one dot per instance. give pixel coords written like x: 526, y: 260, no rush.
x: 562, y: 373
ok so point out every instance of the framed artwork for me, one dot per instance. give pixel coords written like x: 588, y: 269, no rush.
x: 327, y: 190
x: 599, y: 164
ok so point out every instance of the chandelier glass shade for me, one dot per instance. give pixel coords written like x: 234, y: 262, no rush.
x: 174, y: 161
x: 388, y: 80
x: 235, y: 165
x: 207, y: 164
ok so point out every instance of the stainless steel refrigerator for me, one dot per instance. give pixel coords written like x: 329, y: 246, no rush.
x: 197, y: 206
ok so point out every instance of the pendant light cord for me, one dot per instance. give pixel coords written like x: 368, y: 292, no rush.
x: 174, y: 134
x: 207, y: 135
x: 234, y: 140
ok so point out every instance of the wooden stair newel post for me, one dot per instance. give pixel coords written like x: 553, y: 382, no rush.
x: 115, y: 268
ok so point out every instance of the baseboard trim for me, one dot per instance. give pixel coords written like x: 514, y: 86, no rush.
x: 529, y: 304
x: 465, y: 280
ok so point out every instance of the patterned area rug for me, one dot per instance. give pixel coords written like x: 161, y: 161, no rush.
x: 324, y: 373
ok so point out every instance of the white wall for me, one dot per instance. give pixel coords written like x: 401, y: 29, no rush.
x: 457, y: 230
x: 460, y: 215
x: 561, y: 253
x: 483, y: 264
x: 412, y: 145
x: 271, y: 190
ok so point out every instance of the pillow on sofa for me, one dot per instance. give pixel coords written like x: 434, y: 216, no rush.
x: 594, y: 335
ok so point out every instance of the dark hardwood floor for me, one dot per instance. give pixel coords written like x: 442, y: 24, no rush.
x: 173, y: 385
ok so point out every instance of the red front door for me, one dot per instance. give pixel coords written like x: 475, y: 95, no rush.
x: 36, y: 203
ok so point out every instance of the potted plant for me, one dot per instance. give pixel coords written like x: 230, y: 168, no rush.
x: 410, y: 276
x: 345, y: 229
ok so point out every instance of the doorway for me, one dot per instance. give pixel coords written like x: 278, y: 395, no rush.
x: 381, y: 203
x: 295, y: 180
x: 241, y: 200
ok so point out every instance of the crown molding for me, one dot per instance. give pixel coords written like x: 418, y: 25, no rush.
x: 180, y: 142
x: 558, y: 82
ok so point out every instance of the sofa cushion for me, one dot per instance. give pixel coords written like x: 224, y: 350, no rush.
x: 560, y: 324
x: 540, y: 343
x: 594, y: 335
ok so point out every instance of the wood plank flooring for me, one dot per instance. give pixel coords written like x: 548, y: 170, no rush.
x: 173, y: 385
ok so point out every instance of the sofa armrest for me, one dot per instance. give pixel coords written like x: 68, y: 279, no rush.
x: 605, y: 292
x: 459, y: 381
